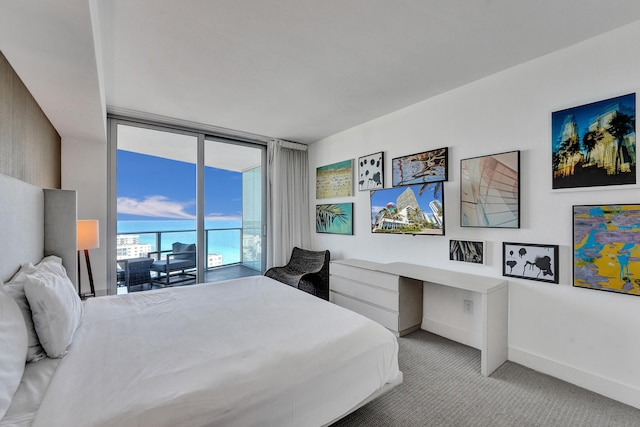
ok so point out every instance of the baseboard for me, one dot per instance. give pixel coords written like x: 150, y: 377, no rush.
x: 451, y: 332
x: 615, y: 390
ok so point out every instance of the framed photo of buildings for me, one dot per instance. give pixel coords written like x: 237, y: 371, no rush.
x: 595, y: 144
x: 412, y: 209
x: 490, y: 191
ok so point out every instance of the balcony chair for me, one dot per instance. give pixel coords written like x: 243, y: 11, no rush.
x: 135, y: 272
x: 306, y: 270
x: 177, y: 263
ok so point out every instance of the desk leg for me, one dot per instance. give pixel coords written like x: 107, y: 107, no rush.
x: 495, y: 330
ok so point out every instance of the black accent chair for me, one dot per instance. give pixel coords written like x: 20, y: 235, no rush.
x: 177, y: 263
x: 306, y: 270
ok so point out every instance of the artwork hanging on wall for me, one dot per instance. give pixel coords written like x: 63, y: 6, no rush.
x: 606, y: 247
x: 466, y: 251
x: 530, y: 261
x: 490, y: 191
x: 595, y: 144
x: 334, y: 180
x: 371, y: 171
x: 429, y: 166
x: 413, y: 209
x: 334, y: 218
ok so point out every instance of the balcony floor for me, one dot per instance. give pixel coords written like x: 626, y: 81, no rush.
x: 213, y: 275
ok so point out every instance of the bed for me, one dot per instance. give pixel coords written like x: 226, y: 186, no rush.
x: 245, y: 352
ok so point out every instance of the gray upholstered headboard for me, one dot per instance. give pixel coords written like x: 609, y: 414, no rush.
x: 36, y: 222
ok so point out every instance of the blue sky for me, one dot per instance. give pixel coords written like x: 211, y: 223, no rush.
x: 155, y: 188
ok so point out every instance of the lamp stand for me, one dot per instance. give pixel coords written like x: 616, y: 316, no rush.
x: 88, y: 262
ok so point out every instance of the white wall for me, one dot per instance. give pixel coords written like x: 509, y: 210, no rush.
x: 584, y: 336
x: 84, y: 169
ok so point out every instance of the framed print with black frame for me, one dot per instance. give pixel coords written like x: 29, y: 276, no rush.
x: 530, y: 261
x: 594, y: 145
x: 490, y: 191
x: 371, y: 171
x: 420, y: 168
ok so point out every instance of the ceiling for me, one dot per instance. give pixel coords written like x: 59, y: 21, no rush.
x: 299, y: 70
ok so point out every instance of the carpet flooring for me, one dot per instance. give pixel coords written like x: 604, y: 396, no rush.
x: 443, y: 387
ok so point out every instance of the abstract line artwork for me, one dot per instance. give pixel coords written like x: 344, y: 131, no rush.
x: 466, y: 251
x: 334, y: 218
x: 530, y: 261
x: 371, y: 171
x: 595, y: 144
x: 490, y: 191
x: 430, y: 166
x: 335, y: 180
x: 606, y: 248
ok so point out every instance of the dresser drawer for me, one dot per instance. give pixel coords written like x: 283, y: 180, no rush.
x: 370, y: 294
x: 371, y: 277
x: 386, y: 318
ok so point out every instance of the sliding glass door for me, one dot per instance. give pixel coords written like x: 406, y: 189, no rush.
x: 233, y: 214
x: 179, y: 190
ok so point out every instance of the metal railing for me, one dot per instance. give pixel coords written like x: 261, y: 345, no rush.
x: 225, y: 242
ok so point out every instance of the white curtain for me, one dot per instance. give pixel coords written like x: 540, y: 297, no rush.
x: 287, y: 200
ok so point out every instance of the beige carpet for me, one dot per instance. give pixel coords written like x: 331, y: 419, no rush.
x: 443, y: 387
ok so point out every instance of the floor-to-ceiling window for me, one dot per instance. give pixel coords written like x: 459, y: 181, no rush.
x: 180, y: 189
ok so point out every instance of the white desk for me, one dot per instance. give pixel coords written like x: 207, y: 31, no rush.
x: 388, y: 293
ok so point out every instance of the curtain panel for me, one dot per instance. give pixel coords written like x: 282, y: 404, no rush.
x: 287, y: 200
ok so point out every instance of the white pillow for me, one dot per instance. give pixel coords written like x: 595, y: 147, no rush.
x: 55, y: 306
x: 15, y: 288
x: 14, y: 349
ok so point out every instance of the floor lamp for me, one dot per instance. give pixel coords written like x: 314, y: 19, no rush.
x: 87, y: 238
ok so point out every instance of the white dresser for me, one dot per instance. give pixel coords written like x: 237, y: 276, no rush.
x: 391, y: 300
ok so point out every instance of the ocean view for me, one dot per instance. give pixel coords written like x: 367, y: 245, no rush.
x: 224, y: 236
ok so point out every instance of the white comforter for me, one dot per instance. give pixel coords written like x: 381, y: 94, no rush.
x: 246, y: 352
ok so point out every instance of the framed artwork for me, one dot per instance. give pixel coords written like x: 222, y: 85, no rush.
x: 413, y: 209
x: 530, y: 261
x: 490, y: 191
x: 595, y: 144
x: 429, y: 166
x: 334, y: 218
x: 371, y: 171
x: 466, y: 251
x: 334, y: 180
x: 606, y: 248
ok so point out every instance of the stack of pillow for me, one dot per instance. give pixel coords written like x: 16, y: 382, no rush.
x: 39, y: 314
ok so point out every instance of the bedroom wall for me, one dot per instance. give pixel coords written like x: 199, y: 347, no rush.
x: 583, y: 336
x: 29, y: 144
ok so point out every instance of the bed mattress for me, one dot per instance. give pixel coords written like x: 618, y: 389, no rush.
x: 245, y: 352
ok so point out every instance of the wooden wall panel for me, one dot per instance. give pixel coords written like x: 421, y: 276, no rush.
x: 29, y: 144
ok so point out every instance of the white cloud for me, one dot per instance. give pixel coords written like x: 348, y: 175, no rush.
x: 217, y: 216
x: 154, y: 206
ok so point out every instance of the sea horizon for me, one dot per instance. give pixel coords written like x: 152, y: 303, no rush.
x: 226, y: 241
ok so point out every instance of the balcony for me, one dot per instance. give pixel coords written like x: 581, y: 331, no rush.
x: 231, y: 253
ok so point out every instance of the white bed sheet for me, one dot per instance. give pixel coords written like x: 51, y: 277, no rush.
x: 246, y: 352
x: 27, y: 399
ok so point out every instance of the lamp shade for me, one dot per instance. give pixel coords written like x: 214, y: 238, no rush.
x: 88, y: 234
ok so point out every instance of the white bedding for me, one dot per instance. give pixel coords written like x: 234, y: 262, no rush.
x: 246, y: 352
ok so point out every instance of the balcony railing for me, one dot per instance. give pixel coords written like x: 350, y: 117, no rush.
x: 225, y: 246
